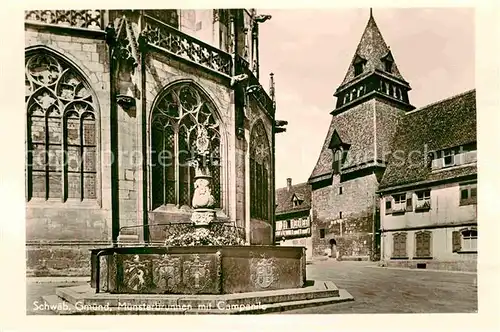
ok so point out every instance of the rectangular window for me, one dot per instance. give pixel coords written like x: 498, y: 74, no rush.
x: 468, y: 194
x: 388, y: 205
x: 423, y: 200
x: 449, y: 158
x: 279, y: 225
x: 340, y: 190
x: 409, y: 202
x: 340, y: 215
x: 469, y: 240
x: 288, y: 224
x: 464, y: 194
x: 322, y: 233
x: 399, y: 202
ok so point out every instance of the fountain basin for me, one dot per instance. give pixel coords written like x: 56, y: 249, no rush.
x: 197, y: 269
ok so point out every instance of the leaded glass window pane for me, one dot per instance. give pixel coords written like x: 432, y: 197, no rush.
x: 175, y: 119
x: 61, y: 130
x: 259, y: 173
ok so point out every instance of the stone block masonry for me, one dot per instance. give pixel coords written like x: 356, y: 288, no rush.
x: 346, y: 218
x: 60, y: 231
x: 59, y: 234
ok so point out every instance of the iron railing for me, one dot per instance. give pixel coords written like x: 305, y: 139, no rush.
x: 175, y: 42
x: 174, y: 228
x: 85, y: 19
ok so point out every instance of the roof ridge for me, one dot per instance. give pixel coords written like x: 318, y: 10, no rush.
x: 293, y: 185
x: 441, y: 101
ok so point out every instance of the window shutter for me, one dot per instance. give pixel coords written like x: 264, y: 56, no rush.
x: 427, y: 245
x: 418, y: 244
x: 409, y: 202
x: 395, y: 245
x: 456, y: 241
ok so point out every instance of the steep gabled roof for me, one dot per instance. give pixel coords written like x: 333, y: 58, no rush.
x: 353, y: 130
x: 284, y: 198
x: 372, y: 49
x: 445, y: 124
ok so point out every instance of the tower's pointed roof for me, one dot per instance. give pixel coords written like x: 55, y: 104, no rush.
x: 373, y: 51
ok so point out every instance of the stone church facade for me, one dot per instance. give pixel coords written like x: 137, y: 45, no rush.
x: 373, y: 110
x: 112, y: 101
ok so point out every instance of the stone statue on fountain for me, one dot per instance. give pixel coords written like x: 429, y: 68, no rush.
x: 203, y: 201
x: 204, y: 229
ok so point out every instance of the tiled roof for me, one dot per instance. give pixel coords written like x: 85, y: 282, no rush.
x: 445, y: 124
x: 372, y: 48
x: 284, y: 198
x: 353, y: 128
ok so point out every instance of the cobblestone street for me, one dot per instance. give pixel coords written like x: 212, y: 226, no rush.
x: 375, y: 290
x: 383, y: 290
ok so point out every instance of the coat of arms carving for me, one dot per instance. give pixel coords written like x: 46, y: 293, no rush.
x: 196, y: 273
x: 263, y: 272
x: 134, y: 273
x: 167, y: 273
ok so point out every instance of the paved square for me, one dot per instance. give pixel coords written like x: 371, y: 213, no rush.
x: 375, y: 290
x: 383, y: 290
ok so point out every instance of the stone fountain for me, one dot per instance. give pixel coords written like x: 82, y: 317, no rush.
x: 245, y: 278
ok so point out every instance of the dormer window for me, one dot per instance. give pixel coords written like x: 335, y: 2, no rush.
x: 358, y: 69
x: 296, y: 201
x: 359, y: 64
x: 449, y: 158
x: 462, y: 155
x: 388, y: 62
x: 388, y: 66
x: 339, y: 152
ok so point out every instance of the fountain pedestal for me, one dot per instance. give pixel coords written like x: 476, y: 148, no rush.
x: 203, y: 201
x: 187, y: 268
x: 197, y: 269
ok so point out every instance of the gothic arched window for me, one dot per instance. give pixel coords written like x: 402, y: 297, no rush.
x: 61, y: 130
x: 260, y: 161
x: 175, y: 118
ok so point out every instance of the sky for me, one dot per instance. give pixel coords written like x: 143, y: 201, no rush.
x: 309, y: 52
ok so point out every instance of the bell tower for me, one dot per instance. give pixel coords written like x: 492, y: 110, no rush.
x: 372, y: 73
x: 371, y: 100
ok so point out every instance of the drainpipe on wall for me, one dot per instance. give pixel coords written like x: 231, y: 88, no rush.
x: 376, y: 226
x: 374, y: 220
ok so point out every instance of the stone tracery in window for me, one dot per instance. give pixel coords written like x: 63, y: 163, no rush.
x: 175, y: 118
x: 260, y: 161
x: 61, y: 130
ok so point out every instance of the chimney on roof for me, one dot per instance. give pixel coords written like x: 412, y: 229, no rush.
x: 289, y: 183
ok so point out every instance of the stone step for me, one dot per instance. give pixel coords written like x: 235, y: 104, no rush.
x: 64, y: 308
x: 58, y: 306
x: 84, y: 295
